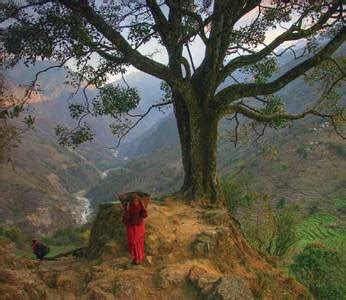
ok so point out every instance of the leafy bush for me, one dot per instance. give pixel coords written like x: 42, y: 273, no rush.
x: 322, y: 270
x: 66, y: 236
x: 285, y: 232
x: 271, y: 233
x: 14, y: 234
x: 237, y: 194
x: 342, y: 209
x: 314, y: 209
x: 281, y: 203
x: 340, y: 205
x: 338, y: 148
x: 302, y: 151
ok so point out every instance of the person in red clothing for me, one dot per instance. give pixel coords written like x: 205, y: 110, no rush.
x: 133, y: 218
x: 39, y: 249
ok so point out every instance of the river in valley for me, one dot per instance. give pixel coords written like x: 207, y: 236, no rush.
x: 104, y: 174
x: 84, y: 209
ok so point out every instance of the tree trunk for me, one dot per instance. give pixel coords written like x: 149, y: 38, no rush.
x: 198, y: 137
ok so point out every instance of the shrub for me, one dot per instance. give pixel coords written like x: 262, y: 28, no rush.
x: 285, y: 235
x: 281, y: 203
x: 340, y: 205
x: 314, y: 209
x: 342, y: 209
x: 322, y: 270
x: 302, y: 151
x: 68, y: 236
x: 338, y: 148
x: 271, y: 233
x: 236, y: 194
x: 14, y: 234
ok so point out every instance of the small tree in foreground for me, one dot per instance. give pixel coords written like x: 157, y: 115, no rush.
x: 244, y: 35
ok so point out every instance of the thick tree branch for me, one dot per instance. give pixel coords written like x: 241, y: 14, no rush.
x: 237, y: 91
x: 293, y: 33
x: 131, y: 55
x: 161, y: 24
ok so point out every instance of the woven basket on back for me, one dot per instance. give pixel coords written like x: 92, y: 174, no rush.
x: 127, y: 197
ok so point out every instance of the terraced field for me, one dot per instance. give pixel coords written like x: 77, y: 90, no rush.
x: 325, y: 228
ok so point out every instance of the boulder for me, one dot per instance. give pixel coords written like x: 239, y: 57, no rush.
x: 203, y: 280
x: 173, y: 275
x: 107, y: 236
x: 230, y: 287
x: 207, y: 242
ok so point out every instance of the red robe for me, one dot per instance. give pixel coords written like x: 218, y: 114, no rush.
x: 134, y: 220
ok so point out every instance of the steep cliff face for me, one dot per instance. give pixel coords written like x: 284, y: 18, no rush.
x: 192, y: 253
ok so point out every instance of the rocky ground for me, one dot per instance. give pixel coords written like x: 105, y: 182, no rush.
x: 192, y: 253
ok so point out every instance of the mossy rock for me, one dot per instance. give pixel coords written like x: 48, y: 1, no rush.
x: 107, y: 236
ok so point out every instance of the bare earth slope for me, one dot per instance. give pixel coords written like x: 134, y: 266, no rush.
x: 192, y: 253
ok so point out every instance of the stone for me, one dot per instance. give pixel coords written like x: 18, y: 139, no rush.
x: 173, y: 275
x: 202, y: 279
x: 230, y: 287
x: 107, y: 230
x: 204, y: 243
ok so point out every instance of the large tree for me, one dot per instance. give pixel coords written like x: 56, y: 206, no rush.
x: 237, y: 37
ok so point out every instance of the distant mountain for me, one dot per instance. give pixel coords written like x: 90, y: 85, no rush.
x: 163, y: 134
x: 54, y: 97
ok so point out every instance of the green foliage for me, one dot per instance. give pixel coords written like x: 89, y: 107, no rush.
x: 314, y: 209
x: 14, y: 234
x: 67, y: 236
x: 302, y: 151
x: 139, y: 33
x: 270, y: 232
x: 340, y: 205
x: 262, y: 70
x: 237, y: 194
x: 322, y: 270
x: 166, y: 91
x: 73, y: 137
x: 338, y: 148
x: 281, y: 203
x: 274, y: 105
x: 285, y: 232
x: 76, y: 110
x: 323, y: 228
x: 29, y: 121
x: 114, y: 100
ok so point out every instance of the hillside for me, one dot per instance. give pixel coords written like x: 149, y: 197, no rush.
x: 163, y: 134
x: 51, y: 103
x: 192, y: 253
x: 158, y: 173
x: 37, y: 186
